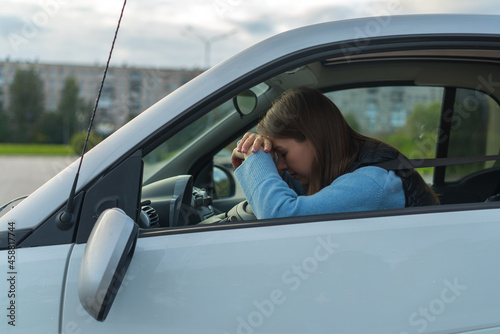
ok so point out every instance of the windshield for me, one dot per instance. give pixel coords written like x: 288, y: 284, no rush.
x: 161, y: 155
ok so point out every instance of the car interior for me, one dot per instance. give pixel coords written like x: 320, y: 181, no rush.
x: 439, y: 102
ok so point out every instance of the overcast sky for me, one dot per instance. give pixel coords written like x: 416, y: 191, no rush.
x: 170, y: 34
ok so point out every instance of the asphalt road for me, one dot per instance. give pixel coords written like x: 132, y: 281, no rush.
x: 21, y: 175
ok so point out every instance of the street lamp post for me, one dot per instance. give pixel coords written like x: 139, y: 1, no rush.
x: 207, y: 41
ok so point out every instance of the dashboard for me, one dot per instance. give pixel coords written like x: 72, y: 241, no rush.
x: 175, y: 202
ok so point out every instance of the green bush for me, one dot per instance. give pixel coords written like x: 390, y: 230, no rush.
x: 78, y: 140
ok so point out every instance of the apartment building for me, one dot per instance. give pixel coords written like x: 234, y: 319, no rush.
x: 127, y: 90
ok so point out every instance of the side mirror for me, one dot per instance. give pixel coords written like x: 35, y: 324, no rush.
x: 245, y: 102
x: 105, y: 261
x: 224, y: 182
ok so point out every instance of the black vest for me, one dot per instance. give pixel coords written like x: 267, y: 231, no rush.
x: 417, y: 192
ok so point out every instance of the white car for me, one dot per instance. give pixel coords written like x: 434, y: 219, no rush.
x: 158, y: 237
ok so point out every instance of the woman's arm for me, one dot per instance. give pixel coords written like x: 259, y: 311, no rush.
x: 368, y: 188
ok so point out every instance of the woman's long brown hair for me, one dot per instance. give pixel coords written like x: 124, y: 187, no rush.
x: 305, y: 113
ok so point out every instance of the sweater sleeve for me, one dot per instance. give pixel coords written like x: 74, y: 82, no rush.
x: 367, y: 188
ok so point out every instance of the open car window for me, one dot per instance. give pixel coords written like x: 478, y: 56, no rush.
x: 406, y: 117
x: 417, y: 104
x: 159, y: 157
x: 410, y: 118
x: 433, y: 122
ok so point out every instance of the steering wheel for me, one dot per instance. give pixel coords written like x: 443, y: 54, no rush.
x: 241, y: 212
x: 176, y: 202
x: 181, y: 200
x: 171, y: 198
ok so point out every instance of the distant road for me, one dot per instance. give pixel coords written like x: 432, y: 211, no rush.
x: 21, y: 175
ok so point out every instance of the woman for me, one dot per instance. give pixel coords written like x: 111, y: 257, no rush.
x: 334, y: 164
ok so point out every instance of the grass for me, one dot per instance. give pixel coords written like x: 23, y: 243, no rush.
x: 35, y: 149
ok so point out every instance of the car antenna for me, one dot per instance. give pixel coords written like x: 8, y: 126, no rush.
x: 66, y: 218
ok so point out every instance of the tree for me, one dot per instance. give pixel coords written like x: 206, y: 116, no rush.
x: 26, y: 105
x: 78, y: 141
x: 68, y: 107
x: 4, y: 121
x: 424, y: 120
x: 49, y: 128
x: 418, y: 139
x: 352, y: 120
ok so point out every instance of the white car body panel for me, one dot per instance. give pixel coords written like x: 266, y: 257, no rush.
x: 39, y: 277
x: 363, y: 275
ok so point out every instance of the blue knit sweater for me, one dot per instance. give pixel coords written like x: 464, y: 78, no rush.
x: 269, y: 196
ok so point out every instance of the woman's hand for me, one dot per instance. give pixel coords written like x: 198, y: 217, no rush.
x: 250, y: 143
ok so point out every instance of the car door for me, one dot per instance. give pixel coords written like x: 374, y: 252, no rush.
x: 32, y: 286
x: 402, y: 273
x: 414, y: 270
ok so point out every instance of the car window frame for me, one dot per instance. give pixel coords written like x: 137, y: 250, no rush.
x: 291, y: 61
x: 305, y: 58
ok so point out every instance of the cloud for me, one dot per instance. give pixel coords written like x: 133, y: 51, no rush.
x: 155, y: 32
x: 459, y: 7
x: 8, y: 24
x: 258, y: 27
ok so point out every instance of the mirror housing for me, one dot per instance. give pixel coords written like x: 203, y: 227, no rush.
x: 245, y: 102
x: 108, y: 253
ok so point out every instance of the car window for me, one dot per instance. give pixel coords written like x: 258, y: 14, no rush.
x: 161, y: 155
x: 407, y: 117
x: 474, y: 132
